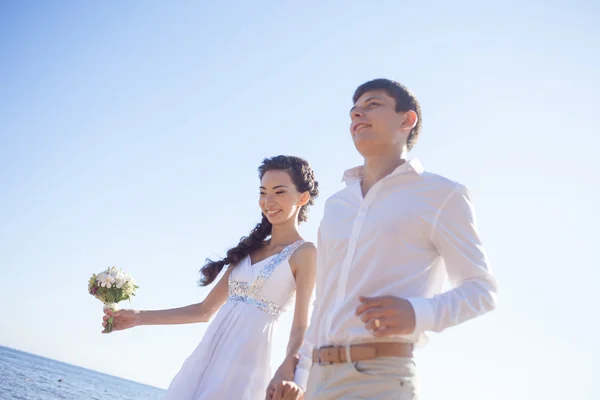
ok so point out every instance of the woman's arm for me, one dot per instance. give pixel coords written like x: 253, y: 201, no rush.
x: 303, y: 264
x: 200, y: 312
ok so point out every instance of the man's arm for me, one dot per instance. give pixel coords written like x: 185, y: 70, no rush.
x: 456, y: 237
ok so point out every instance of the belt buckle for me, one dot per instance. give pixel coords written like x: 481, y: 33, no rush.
x: 329, y: 351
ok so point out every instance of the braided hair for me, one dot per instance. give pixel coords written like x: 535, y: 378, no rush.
x: 304, y: 179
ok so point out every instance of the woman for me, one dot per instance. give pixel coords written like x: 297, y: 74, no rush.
x: 266, y: 271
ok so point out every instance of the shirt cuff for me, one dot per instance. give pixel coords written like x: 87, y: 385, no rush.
x: 301, y: 378
x: 424, y: 314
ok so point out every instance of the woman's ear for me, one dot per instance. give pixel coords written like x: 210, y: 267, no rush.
x: 304, y: 199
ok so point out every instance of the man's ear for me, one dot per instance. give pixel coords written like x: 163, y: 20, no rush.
x: 410, y: 120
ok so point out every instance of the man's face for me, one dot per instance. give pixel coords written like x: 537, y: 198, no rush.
x: 376, y: 127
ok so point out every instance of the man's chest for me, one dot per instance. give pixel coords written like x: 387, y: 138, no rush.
x: 388, y: 218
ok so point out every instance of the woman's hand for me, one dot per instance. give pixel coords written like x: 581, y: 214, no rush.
x: 122, y: 319
x: 284, y: 373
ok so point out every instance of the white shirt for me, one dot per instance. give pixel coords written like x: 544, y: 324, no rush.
x: 411, y: 231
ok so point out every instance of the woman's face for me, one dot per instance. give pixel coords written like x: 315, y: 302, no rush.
x: 279, y: 199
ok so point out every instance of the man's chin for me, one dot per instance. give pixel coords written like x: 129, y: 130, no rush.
x: 369, y: 148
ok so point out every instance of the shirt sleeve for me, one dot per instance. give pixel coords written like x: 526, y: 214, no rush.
x: 474, y: 289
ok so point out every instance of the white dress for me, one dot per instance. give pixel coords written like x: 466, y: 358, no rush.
x: 233, y: 359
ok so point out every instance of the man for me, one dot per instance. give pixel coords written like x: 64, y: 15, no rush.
x: 386, y: 243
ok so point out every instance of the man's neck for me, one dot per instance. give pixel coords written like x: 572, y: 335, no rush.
x: 378, y: 167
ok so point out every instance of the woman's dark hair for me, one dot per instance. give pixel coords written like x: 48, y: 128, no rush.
x: 304, y: 179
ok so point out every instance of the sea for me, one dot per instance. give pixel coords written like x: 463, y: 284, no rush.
x: 26, y: 376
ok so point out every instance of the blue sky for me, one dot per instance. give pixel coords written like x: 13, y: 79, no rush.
x: 130, y: 134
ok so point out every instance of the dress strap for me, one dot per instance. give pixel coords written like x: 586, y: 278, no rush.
x: 293, y: 247
x: 268, y: 269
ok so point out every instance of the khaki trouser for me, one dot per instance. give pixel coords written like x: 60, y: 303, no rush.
x: 377, y: 379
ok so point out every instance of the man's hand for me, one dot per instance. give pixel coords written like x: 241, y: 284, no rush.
x: 284, y: 390
x: 387, y: 315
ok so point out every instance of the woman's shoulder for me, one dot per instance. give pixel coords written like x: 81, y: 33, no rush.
x: 307, y: 245
x: 304, y: 252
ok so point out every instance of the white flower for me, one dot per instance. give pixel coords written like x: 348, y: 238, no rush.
x: 105, y: 280
x: 120, y: 281
x: 113, y: 277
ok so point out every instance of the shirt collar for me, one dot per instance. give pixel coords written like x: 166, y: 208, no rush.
x: 355, y: 174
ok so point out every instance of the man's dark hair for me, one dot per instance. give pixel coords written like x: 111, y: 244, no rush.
x: 405, y: 101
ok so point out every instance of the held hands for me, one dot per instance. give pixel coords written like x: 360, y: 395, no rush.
x: 282, y: 386
x: 285, y: 390
x: 122, y: 319
x: 387, y: 315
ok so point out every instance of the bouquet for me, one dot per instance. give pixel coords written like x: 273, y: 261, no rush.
x: 110, y: 287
